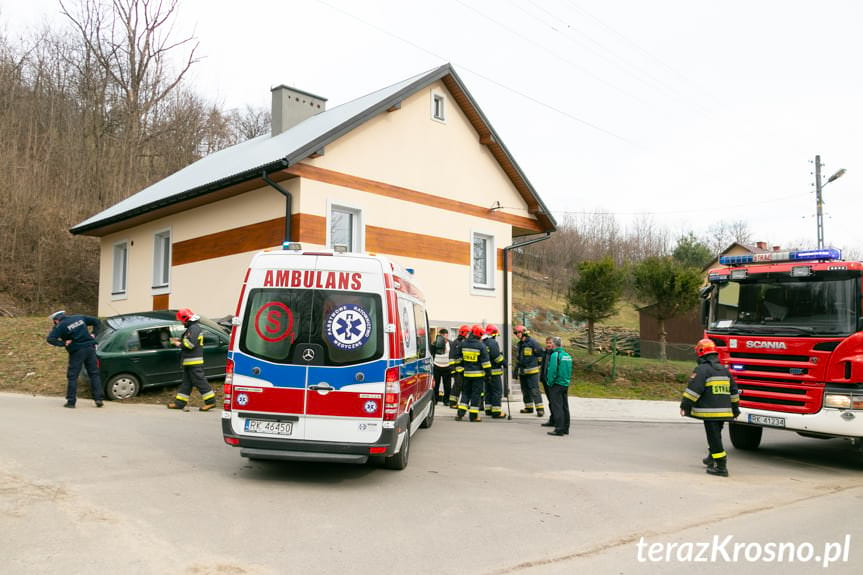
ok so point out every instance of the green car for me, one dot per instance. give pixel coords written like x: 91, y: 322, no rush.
x: 135, y: 351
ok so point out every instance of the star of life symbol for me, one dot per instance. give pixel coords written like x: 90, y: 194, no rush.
x: 370, y: 406
x: 349, y: 327
x: 242, y: 399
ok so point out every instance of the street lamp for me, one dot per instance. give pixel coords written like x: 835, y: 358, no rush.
x: 818, y: 187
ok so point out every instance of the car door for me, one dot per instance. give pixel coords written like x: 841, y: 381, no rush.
x: 156, y: 360
x: 215, y: 353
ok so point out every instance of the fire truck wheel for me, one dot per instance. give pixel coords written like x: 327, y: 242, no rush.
x: 429, y: 419
x: 400, y: 460
x: 745, y: 437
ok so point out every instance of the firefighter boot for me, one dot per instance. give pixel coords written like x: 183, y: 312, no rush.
x: 178, y: 404
x: 460, y: 414
x: 721, y: 468
x: 708, y: 461
x: 526, y: 410
x: 207, y: 407
x: 474, y: 417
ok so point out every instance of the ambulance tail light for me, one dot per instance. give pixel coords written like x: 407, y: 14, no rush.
x: 228, y: 387
x: 392, y: 393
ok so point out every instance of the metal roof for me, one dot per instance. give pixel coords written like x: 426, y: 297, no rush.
x: 249, y: 159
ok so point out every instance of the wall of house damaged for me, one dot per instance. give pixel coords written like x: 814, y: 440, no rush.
x: 404, y: 150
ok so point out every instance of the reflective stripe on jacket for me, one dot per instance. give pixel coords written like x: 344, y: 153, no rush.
x: 529, y: 356
x: 474, y: 357
x: 192, y: 345
x: 498, y: 362
x: 711, y: 392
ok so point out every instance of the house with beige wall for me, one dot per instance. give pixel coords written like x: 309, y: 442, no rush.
x: 413, y: 171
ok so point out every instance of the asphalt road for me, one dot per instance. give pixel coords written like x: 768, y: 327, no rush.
x: 141, y: 489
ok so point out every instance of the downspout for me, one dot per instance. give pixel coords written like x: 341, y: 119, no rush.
x: 506, y: 326
x: 273, y: 184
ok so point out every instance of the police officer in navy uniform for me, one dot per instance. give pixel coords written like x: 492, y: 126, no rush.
x: 711, y: 396
x: 192, y: 357
x: 456, y: 367
x: 74, y: 333
x: 529, y: 357
x: 494, y: 381
x: 476, y: 365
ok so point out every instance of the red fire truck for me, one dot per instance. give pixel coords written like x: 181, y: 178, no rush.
x: 789, y: 326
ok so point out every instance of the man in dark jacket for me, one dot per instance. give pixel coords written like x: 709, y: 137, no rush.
x: 528, y: 363
x: 476, y: 366
x: 74, y: 333
x: 711, y: 396
x: 192, y: 357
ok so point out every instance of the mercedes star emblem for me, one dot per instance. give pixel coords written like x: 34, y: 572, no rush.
x: 308, y: 354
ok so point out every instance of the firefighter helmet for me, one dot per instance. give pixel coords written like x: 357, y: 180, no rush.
x: 477, y: 330
x: 704, y: 347
x: 463, y: 331
x: 184, y: 314
x: 491, y: 329
x: 520, y: 330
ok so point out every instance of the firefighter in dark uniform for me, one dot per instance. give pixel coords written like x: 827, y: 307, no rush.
x: 528, y: 363
x: 192, y: 357
x: 475, y: 362
x: 456, y: 367
x: 73, y: 333
x: 711, y: 396
x: 494, y: 381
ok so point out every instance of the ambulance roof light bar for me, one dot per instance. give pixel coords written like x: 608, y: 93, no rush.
x: 784, y: 256
x: 292, y: 246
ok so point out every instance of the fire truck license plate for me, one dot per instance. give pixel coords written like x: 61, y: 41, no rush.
x: 767, y: 420
x: 274, y: 427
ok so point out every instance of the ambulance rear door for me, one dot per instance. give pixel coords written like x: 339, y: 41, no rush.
x: 311, y: 354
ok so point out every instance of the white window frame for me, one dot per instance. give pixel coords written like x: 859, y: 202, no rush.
x: 120, y: 284
x: 438, y: 96
x: 487, y: 288
x: 358, y: 233
x: 160, y: 258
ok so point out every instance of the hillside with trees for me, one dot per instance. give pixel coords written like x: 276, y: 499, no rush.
x: 96, y: 109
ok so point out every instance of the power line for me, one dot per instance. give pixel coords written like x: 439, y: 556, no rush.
x: 484, y: 77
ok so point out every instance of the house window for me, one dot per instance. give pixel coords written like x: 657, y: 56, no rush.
x: 161, y: 259
x: 121, y: 258
x: 438, y: 107
x: 482, y: 262
x: 345, y: 228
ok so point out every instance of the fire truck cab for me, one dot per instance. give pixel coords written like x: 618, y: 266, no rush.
x: 789, y: 326
x: 328, y: 360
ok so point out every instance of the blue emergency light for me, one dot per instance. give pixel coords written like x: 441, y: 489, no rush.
x: 786, y: 256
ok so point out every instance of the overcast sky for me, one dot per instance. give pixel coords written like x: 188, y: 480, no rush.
x: 689, y: 112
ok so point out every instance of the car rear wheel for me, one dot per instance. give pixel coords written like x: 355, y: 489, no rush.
x: 400, y: 460
x: 745, y: 437
x: 123, y: 386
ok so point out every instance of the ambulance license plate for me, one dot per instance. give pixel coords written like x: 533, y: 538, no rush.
x: 265, y: 426
x: 767, y: 420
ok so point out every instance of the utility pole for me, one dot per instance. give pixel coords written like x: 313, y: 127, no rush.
x: 818, y: 204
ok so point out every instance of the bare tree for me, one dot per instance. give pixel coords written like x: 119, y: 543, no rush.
x: 132, y: 43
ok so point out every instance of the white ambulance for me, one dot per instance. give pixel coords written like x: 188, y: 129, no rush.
x: 329, y: 359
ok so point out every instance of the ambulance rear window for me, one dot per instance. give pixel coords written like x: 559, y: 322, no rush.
x: 347, y: 325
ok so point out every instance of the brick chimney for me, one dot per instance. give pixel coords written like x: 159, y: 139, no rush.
x: 292, y: 106
x: 761, y: 245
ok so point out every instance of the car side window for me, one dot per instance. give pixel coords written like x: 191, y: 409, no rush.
x: 133, y: 343
x: 154, y: 338
x: 210, y: 339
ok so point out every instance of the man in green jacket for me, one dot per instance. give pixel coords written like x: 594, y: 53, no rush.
x: 559, y: 374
